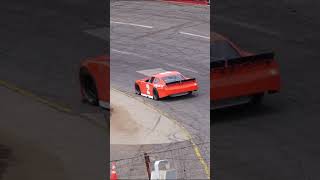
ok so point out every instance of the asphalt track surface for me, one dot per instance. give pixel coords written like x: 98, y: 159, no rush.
x: 43, y: 43
x: 280, y: 140
x: 153, y: 34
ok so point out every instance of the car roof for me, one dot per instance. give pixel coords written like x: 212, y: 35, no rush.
x: 166, y: 73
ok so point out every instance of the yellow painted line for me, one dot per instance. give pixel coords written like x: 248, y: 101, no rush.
x: 196, y: 149
x: 53, y: 105
x: 23, y: 92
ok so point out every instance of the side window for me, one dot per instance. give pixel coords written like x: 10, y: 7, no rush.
x: 156, y: 81
x: 151, y: 80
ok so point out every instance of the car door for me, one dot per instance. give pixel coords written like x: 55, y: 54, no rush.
x: 147, y: 87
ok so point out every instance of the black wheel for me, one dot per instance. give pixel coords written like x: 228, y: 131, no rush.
x: 155, y: 94
x: 89, y: 88
x: 257, y: 99
x: 189, y: 93
x: 137, y: 88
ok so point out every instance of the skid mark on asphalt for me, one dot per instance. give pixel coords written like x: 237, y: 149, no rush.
x: 195, y: 147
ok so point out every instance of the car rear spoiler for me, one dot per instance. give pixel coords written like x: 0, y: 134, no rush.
x: 185, y: 80
x: 242, y: 60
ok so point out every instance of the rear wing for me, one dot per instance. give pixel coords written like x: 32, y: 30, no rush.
x: 242, y: 60
x: 185, y: 80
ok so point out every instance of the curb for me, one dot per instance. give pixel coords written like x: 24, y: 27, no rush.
x: 196, y: 149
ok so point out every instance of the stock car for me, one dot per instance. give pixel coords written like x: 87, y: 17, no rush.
x: 165, y: 84
x: 240, y: 77
x: 95, y: 82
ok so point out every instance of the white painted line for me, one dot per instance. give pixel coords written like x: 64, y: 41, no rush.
x: 99, y: 33
x: 131, y: 24
x: 150, y: 72
x: 248, y: 26
x: 195, y: 35
x: 129, y: 53
x: 183, y: 68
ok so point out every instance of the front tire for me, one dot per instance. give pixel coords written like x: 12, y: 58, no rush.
x: 88, y: 87
x: 155, y: 95
x: 137, y: 89
x: 257, y: 99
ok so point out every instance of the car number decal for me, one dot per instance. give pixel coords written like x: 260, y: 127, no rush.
x: 148, y: 89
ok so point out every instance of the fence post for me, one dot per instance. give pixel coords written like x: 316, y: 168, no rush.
x: 147, y: 160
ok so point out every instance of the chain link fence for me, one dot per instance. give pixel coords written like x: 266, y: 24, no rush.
x: 181, y: 156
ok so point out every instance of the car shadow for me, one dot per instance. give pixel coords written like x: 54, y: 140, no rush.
x: 240, y: 112
x: 178, y: 98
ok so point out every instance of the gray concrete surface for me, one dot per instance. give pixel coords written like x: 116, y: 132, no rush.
x: 133, y: 122
x: 48, y: 144
x: 280, y: 139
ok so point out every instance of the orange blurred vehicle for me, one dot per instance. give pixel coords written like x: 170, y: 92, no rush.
x: 170, y: 83
x: 95, y: 82
x: 238, y: 76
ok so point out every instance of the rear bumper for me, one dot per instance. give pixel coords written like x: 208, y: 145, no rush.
x: 177, y: 92
x: 246, y: 87
x: 229, y: 102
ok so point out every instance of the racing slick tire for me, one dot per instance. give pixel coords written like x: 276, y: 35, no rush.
x: 155, y: 94
x: 137, y: 89
x: 257, y: 99
x: 89, y: 88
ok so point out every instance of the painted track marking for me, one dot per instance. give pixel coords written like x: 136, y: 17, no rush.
x: 195, y: 35
x: 180, y: 67
x: 131, y: 24
x: 53, y: 105
x: 145, y: 57
x: 129, y: 53
x: 247, y: 26
x: 195, y: 147
x: 150, y: 72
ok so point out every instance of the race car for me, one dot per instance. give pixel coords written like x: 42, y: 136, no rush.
x: 95, y: 82
x: 169, y: 83
x: 238, y: 76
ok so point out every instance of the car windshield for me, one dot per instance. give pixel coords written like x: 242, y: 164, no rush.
x: 173, y: 78
x: 221, y: 50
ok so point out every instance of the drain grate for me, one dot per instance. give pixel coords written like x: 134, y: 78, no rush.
x: 5, y: 154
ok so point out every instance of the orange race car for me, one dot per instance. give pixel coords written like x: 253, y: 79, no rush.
x: 95, y: 82
x: 170, y: 83
x: 238, y: 76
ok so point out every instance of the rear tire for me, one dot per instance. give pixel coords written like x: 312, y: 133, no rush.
x: 88, y: 87
x: 155, y: 95
x: 257, y: 99
x: 137, y: 89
